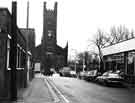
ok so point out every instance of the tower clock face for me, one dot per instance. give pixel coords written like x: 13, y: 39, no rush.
x: 49, y: 34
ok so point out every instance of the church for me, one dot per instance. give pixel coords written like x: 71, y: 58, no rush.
x: 48, y: 53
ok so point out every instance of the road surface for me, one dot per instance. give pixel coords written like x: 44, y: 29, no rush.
x: 80, y: 91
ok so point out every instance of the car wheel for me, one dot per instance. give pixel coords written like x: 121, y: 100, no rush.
x: 105, y: 83
x: 81, y: 77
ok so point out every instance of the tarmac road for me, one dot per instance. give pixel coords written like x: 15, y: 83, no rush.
x: 80, y: 91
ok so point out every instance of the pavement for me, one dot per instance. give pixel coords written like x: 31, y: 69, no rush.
x: 38, y: 91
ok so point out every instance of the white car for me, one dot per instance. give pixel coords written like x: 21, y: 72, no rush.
x: 110, y: 78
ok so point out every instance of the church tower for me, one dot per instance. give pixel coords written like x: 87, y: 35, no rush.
x: 49, y: 38
x: 50, y: 27
x: 52, y: 55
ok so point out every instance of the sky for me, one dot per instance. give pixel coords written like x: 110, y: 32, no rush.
x: 78, y: 20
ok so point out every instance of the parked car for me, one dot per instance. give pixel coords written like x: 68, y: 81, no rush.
x: 84, y: 75
x: 109, y: 78
x: 73, y: 73
x: 93, y: 74
x: 89, y: 75
x: 65, y: 71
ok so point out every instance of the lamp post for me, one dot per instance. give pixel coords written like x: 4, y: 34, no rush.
x: 75, y: 51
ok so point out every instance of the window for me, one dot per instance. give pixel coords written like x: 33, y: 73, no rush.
x: 8, y: 53
x: 49, y: 34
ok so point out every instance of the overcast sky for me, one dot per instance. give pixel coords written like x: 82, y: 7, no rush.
x: 78, y: 20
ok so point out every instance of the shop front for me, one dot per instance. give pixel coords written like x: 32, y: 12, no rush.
x: 114, y: 62
x: 121, y: 56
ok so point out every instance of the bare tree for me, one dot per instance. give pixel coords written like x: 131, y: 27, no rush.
x: 132, y: 33
x: 118, y: 34
x: 113, y: 35
x: 80, y: 57
x: 100, y: 41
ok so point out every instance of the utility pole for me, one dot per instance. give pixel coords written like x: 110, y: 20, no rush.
x: 13, y: 53
x: 27, y: 55
x: 84, y: 63
x: 27, y: 26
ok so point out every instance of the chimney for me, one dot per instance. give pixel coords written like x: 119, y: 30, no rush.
x: 14, y: 15
x: 13, y: 52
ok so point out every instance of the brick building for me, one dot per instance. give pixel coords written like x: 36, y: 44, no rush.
x: 12, y: 55
x: 14, y: 46
x: 49, y: 54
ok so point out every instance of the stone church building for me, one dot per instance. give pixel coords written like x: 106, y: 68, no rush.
x: 48, y: 53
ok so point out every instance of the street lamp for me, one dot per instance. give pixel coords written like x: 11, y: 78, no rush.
x: 75, y: 58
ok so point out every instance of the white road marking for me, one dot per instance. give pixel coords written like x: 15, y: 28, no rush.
x: 56, y: 99
x: 64, y: 98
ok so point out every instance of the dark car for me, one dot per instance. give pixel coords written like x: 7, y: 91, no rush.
x: 65, y: 71
x: 109, y: 78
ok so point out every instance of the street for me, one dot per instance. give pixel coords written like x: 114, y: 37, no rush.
x: 47, y: 45
x: 80, y: 91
